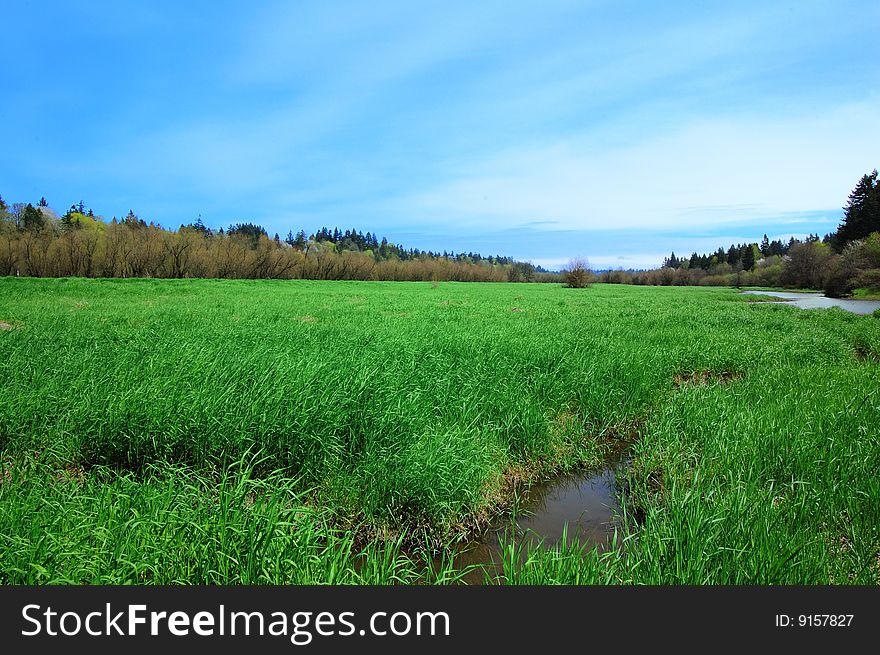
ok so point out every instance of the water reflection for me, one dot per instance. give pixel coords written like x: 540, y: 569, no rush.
x: 819, y: 301
x: 583, y: 506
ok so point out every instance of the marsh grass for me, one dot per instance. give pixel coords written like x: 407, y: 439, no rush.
x: 184, y: 431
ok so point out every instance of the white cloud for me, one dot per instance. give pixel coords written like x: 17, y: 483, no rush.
x: 709, y: 172
x: 628, y: 261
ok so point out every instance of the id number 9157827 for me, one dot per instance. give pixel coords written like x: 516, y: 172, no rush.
x: 814, y: 620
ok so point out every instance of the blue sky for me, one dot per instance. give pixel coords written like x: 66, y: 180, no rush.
x: 541, y: 130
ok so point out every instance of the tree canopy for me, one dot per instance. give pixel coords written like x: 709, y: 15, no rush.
x: 861, y: 215
x: 35, y: 241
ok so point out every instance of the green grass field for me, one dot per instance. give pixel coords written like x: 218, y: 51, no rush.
x: 206, y: 431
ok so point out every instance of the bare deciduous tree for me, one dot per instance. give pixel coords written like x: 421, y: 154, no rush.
x: 577, y: 273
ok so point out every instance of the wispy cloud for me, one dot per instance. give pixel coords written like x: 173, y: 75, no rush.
x: 711, y: 171
x: 473, y: 125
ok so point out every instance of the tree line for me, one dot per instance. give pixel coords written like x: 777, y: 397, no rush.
x: 839, y: 263
x: 36, y: 241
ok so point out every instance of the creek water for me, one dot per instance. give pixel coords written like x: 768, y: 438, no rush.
x: 818, y: 301
x: 584, y: 506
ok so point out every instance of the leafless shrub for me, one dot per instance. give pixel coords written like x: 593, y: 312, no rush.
x: 577, y: 274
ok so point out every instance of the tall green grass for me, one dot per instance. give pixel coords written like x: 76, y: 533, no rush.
x: 172, y: 525
x: 274, y: 432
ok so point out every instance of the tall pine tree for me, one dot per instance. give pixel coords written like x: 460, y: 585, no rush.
x: 862, y: 212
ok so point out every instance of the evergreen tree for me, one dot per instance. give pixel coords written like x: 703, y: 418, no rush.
x: 748, y: 256
x: 249, y: 231
x: 131, y: 220
x: 32, y: 219
x: 733, y: 255
x: 862, y: 212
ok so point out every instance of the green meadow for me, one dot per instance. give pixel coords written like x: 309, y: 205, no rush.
x: 276, y: 432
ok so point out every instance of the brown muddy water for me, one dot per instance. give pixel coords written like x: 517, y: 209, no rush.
x: 582, y: 506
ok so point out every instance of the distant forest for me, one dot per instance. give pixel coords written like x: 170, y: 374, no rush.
x: 36, y: 241
x: 840, y: 263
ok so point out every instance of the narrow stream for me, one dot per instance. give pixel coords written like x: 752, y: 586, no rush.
x: 584, y: 503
